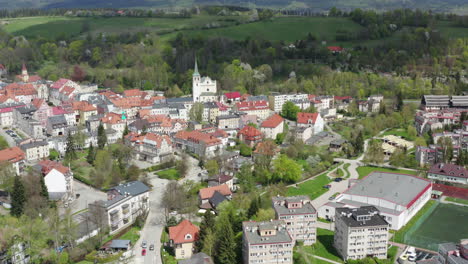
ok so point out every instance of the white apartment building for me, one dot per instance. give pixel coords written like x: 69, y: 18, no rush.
x: 278, y: 100
x: 360, y: 233
x: 267, y: 242
x: 300, y: 217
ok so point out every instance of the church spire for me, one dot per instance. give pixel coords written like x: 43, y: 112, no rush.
x: 195, y: 71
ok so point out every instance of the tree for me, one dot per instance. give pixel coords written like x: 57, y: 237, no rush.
x: 102, y: 137
x: 359, y: 142
x: 290, y: 110
x: 245, y: 178
x: 225, y: 246
x: 375, y: 152
x: 411, y: 130
x: 70, y: 151
x: 399, y: 101
x: 311, y: 109
x: 91, y: 154
x: 182, y: 165
x: 126, y: 131
x: 206, y: 226
x: 254, y: 207
x: 44, y: 192
x: 398, y: 158
x: 446, y: 146
x: 286, y: 169
x: 212, y: 167
x: 462, y: 159
x: 79, y: 74
x: 245, y: 150
x: 18, y: 198
x: 196, y: 112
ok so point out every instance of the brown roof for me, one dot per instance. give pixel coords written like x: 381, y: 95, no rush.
x: 48, y: 165
x: 83, y: 106
x: 197, y: 136
x: 178, y: 234
x: 449, y: 170
x: 273, y: 121
x: 207, y: 193
x: 250, y: 132
x: 303, y: 118
x: 16, y: 89
x: 112, y: 118
x: 12, y: 155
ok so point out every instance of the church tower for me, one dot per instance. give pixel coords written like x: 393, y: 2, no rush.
x: 196, y: 89
x: 24, y: 73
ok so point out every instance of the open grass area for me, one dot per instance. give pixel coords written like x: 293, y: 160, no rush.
x: 169, y: 174
x: 313, y: 188
x: 324, y: 246
x: 398, y: 132
x: 399, y: 235
x: 345, y: 168
x: 363, y: 171
x: 456, y: 200
x: 133, y: 235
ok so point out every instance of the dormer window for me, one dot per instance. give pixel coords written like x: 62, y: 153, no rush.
x: 188, y: 236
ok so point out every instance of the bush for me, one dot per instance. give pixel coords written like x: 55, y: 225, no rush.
x: 93, y: 257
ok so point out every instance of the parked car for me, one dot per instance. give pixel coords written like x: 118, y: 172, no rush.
x: 143, y: 244
x: 143, y: 252
x: 151, y: 247
x: 328, y: 186
x: 338, y: 179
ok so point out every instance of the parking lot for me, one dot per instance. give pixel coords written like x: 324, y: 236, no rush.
x: 10, y: 136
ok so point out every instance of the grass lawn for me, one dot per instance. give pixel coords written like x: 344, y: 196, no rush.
x: 133, y: 235
x: 324, y: 246
x: 398, y: 132
x: 399, y: 235
x: 456, y: 200
x: 313, y: 188
x: 345, y: 168
x: 169, y: 174
x: 363, y: 171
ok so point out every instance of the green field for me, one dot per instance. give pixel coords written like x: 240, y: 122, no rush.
x: 400, y: 132
x: 456, y: 200
x: 169, y: 174
x: 399, y: 235
x: 447, y: 223
x: 313, y: 188
x: 363, y: 171
x: 324, y: 246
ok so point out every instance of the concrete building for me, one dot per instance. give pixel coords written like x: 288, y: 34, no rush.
x: 360, y: 233
x: 258, y: 108
x: 300, y: 217
x: 272, y: 126
x: 267, y: 242
x: 310, y: 120
x: 58, y: 179
x: 278, y: 100
x: 398, y: 197
x: 448, y: 173
x: 35, y: 150
x: 15, y: 156
x: 124, y: 204
x: 451, y: 253
x: 151, y: 147
x: 182, y: 238
x: 228, y: 122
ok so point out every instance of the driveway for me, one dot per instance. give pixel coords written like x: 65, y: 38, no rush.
x: 87, y: 195
x: 8, y: 138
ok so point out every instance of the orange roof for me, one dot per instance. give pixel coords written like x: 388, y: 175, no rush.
x: 109, y: 94
x: 4, y: 98
x: 48, y: 165
x: 16, y: 89
x: 37, y: 102
x: 129, y: 102
x: 142, y: 113
x: 139, y: 139
x: 58, y: 84
x: 304, y: 118
x: 12, y: 155
x: 184, y: 232
x: 207, y: 193
x: 250, y: 132
x: 83, y: 106
x: 273, y: 121
x: 112, y: 118
x: 157, y: 98
x: 252, y: 105
x: 67, y: 90
x: 134, y: 93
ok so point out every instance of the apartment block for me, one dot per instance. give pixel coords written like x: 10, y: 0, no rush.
x: 267, y: 242
x: 300, y: 217
x: 360, y: 233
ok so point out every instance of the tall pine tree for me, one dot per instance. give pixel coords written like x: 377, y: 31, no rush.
x: 70, y: 151
x: 91, y: 155
x: 18, y: 198
x: 225, y: 250
x: 44, y: 192
x: 125, y: 132
x: 205, y: 227
x: 102, y: 137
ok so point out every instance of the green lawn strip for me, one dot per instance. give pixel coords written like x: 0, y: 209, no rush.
x: 401, y: 132
x: 169, y: 174
x: 133, y: 235
x: 399, y: 236
x: 324, y: 246
x: 313, y: 188
x: 363, y: 171
x: 165, y: 256
x: 345, y: 168
x: 323, y: 220
x: 456, y: 200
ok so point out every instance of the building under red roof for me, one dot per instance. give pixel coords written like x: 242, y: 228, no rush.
x: 307, y: 118
x: 273, y: 121
x: 335, y: 48
x: 450, y: 170
x: 233, y: 95
x: 207, y: 193
x: 48, y: 165
x: 252, y: 105
x: 184, y: 232
x: 12, y: 155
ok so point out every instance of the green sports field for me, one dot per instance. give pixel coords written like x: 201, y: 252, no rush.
x: 447, y: 223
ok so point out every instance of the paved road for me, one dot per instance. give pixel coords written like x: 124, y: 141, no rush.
x: 10, y: 140
x: 87, y: 195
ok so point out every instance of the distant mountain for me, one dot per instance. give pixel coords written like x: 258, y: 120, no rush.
x: 454, y: 6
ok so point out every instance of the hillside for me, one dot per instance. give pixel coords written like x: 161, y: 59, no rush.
x: 453, y: 6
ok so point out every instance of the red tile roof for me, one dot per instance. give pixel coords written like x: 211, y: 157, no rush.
x: 341, y: 98
x: 48, y: 165
x: 110, y: 94
x: 34, y: 78
x: 178, y: 234
x: 303, y: 118
x: 133, y: 93
x: 253, y: 105
x: 16, y: 89
x: 197, y: 137
x: 250, y: 132
x: 207, y: 193
x: 37, y: 102
x: 112, y: 118
x: 273, y: 121
x: 139, y: 139
x: 83, y: 106
x: 450, y: 170
x: 232, y: 95
x: 58, y: 84
x: 12, y: 155
x: 335, y: 48
x: 58, y: 110
x: 4, y: 98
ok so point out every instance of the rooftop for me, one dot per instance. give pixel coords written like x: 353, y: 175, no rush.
x: 133, y: 188
x: 449, y: 170
x: 184, y: 232
x: 272, y: 121
x: 207, y: 193
x: 253, y: 237
x: 363, y: 216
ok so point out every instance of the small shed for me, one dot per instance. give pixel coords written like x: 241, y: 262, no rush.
x: 117, y: 244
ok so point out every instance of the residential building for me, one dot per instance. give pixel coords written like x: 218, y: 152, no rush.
x: 43, y: 111
x: 151, y: 147
x: 24, y: 120
x: 398, y: 197
x: 22, y: 92
x: 258, y: 108
x: 360, y: 232
x: 448, y: 173
x: 202, y: 142
x: 114, y: 121
x: 35, y: 149
x: 451, y: 253
x: 228, y: 122
x: 58, y: 179
x: 15, y: 156
x: 199, y: 258
x: 312, y: 120
x: 342, y: 102
x: 337, y: 145
x: 391, y: 143
x: 56, y: 125
x: 203, y: 88
x: 250, y: 135
x: 83, y: 111
x: 182, y: 238
x: 232, y: 97
x: 278, y: 100
x: 222, y: 179
x: 207, y: 194
x: 7, y: 113
x: 267, y: 242
x: 272, y: 126
x: 124, y: 204
x: 300, y: 217
x: 62, y: 90
x: 439, y: 102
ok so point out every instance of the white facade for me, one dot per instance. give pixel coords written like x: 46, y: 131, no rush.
x: 59, y: 185
x: 203, y: 88
x: 278, y: 100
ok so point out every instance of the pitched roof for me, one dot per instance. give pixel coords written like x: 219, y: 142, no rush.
x: 303, y: 118
x: 16, y: 89
x: 149, y: 138
x: 207, y: 193
x: 335, y: 48
x: 197, y: 136
x: 232, y: 95
x: 58, y: 84
x: 37, y: 102
x: 250, y: 132
x: 252, y: 105
x: 273, y: 121
x: 48, y: 165
x: 178, y: 234
x: 12, y: 155
x: 449, y: 170
x: 83, y: 106
x: 112, y: 118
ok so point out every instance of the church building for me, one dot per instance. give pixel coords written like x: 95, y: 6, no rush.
x: 204, y: 89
